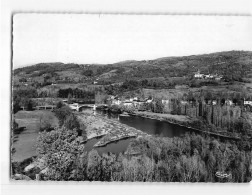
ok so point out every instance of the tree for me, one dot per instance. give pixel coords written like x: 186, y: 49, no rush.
x: 88, y: 73
x: 62, y: 114
x: 61, y: 152
x: 72, y: 122
x: 16, y: 104
x: 22, y: 80
x: 159, y: 107
x: 59, y: 105
x: 69, y: 98
x: 94, y: 168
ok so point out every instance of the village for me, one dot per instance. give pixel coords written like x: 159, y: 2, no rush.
x: 216, y: 77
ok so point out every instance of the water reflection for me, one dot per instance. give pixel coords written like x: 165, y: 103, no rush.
x: 150, y: 126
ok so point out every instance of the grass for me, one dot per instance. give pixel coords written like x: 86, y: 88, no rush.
x: 25, y: 143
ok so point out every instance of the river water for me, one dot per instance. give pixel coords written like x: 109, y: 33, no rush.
x: 149, y: 126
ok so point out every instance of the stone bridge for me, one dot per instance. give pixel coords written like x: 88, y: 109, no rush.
x: 76, y: 106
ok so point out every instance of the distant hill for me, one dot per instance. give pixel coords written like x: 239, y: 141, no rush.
x: 231, y: 63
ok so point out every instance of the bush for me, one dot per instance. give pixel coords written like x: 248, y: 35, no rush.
x: 62, y: 152
x: 159, y: 107
x: 59, y: 105
x: 72, y: 122
x: 62, y: 114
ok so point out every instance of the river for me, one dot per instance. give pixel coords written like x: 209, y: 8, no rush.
x: 149, y: 126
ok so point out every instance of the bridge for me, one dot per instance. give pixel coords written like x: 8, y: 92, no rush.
x: 76, y: 106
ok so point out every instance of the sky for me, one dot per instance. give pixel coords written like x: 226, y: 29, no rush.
x: 103, y: 39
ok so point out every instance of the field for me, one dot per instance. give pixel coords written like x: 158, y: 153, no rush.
x: 25, y: 143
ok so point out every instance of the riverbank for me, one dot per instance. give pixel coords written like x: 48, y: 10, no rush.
x: 174, y: 119
x: 109, y: 130
x: 182, y: 120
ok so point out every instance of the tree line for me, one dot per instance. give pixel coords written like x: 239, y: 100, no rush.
x: 192, y: 158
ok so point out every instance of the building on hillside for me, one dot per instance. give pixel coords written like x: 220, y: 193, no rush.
x: 74, y: 106
x: 148, y: 100
x: 248, y: 102
x: 209, y: 76
x: 165, y: 101
x: 138, y: 103
x: 198, y: 75
x: 183, y: 102
x: 229, y: 102
x: 214, y: 102
x: 218, y: 78
x: 116, y: 102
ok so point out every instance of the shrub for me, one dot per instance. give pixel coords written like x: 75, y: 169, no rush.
x: 62, y: 114
x: 61, y: 151
x: 72, y: 122
x: 59, y: 105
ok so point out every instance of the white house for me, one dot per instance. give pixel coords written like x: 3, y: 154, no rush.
x: 229, y: 102
x: 149, y: 101
x: 218, y: 78
x: 214, y: 102
x: 165, y: 101
x: 248, y: 102
x: 209, y: 76
x: 183, y: 102
x: 198, y: 75
x: 116, y: 101
x: 74, y: 106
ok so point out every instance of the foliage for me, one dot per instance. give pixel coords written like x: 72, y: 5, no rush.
x: 192, y: 158
x: 61, y: 151
x: 62, y: 113
x: 23, y: 97
x: 22, y: 80
x: 72, y: 122
x: 158, y: 107
x: 76, y: 93
x: 59, y: 105
x: 87, y: 73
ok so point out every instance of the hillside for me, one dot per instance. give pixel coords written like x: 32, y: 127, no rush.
x: 234, y: 65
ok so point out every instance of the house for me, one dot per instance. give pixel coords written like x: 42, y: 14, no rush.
x: 165, y: 101
x: 74, y: 106
x: 248, y: 102
x: 218, y: 78
x: 198, y: 75
x: 209, y: 76
x: 149, y: 101
x: 138, y: 103
x: 183, y: 102
x: 214, y: 102
x: 116, y: 102
x: 229, y: 102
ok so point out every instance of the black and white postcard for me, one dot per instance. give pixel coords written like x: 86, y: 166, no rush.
x: 131, y: 98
